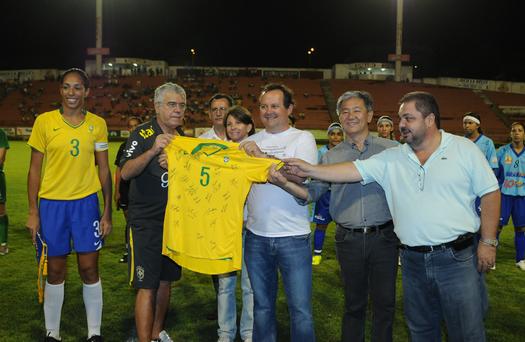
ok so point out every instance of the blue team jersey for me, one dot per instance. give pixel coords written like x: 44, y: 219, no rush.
x: 511, y: 173
x: 321, y: 152
x: 486, y: 145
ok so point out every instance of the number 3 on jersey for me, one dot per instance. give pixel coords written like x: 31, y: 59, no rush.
x: 74, y: 147
x: 205, y: 176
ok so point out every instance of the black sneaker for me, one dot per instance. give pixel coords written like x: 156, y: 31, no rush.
x: 124, y: 258
x: 95, y: 338
x: 51, y: 339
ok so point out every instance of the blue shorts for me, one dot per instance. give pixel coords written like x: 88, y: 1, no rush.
x: 70, y: 221
x: 322, y: 210
x: 515, y: 206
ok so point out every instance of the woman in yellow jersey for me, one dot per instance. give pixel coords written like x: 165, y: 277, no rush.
x: 239, y: 125
x: 63, y: 202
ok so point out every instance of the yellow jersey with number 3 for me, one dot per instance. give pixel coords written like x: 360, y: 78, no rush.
x: 69, y: 170
x: 208, y: 181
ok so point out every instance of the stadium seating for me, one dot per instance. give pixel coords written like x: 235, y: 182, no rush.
x: 115, y: 99
x: 513, y: 105
x: 453, y: 103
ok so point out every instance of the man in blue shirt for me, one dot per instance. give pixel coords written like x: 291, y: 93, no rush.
x: 430, y: 184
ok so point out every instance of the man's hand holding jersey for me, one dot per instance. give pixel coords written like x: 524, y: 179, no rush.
x: 251, y: 149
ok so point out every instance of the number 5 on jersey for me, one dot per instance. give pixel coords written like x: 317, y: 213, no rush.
x: 205, y: 176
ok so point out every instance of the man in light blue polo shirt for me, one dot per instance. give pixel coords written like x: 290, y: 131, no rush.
x: 431, y: 184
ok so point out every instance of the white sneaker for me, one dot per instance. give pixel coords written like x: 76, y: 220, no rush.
x: 164, y: 337
x: 493, y: 267
x: 521, y: 265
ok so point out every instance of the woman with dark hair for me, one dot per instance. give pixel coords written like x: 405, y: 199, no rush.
x: 239, y: 125
x: 63, y: 205
x: 511, y: 171
x: 472, y: 129
x: 385, y: 127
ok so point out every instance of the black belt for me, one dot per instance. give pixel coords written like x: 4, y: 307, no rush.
x: 462, y: 242
x: 369, y: 229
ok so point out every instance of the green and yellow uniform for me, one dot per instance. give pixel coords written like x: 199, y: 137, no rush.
x: 4, y: 144
x: 208, y: 182
x: 69, y: 172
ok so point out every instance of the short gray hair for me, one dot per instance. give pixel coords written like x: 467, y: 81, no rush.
x: 360, y: 94
x: 161, y: 90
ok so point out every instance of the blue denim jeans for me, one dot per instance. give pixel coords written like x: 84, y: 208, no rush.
x: 443, y: 285
x: 227, y: 304
x: 291, y: 256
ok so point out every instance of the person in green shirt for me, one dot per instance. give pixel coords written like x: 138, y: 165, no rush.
x: 4, y: 146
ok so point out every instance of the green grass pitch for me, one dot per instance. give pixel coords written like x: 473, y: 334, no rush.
x: 22, y: 319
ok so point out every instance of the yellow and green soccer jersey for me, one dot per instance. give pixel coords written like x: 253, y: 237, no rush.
x: 69, y: 170
x: 208, y: 181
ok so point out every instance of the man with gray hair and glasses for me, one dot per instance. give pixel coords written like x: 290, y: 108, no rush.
x: 152, y: 273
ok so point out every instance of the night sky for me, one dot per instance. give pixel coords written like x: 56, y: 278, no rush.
x: 456, y: 38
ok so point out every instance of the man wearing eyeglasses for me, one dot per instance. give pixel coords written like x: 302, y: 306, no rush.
x: 431, y: 184
x: 152, y: 273
x: 217, y: 107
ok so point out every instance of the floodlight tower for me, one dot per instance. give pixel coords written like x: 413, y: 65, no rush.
x: 98, y: 50
x: 310, y: 53
x: 399, y: 39
x: 193, y: 52
x: 98, y: 41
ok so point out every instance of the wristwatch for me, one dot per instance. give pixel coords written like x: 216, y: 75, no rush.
x: 490, y: 242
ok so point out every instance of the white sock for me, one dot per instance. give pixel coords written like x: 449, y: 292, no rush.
x: 92, y: 294
x: 53, y: 300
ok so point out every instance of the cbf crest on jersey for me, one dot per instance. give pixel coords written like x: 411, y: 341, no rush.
x: 140, y: 273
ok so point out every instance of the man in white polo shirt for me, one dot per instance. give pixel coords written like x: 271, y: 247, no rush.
x: 431, y: 184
